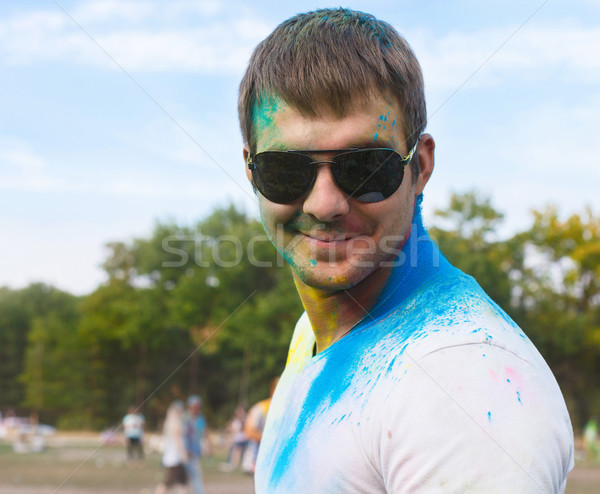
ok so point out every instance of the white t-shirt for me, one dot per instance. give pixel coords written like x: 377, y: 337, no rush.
x: 133, y: 425
x: 173, y: 447
x: 437, y: 391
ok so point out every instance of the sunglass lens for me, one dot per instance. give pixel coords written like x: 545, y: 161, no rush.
x: 369, y: 175
x: 282, y: 177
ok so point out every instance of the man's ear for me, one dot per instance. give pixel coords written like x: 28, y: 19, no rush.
x: 246, y: 153
x: 426, y: 152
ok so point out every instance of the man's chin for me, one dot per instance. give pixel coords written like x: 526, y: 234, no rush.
x: 330, y: 280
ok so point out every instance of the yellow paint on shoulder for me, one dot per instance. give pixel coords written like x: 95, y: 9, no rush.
x: 302, y: 343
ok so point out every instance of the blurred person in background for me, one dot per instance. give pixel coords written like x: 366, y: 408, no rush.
x: 590, y: 440
x: 238, y: 438
x: 253, y: 429
x: 195, y: 427
x: 133, y: 428
x: 175, y: 455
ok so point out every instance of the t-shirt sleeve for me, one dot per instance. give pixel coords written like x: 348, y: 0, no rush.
x: 479, y: 419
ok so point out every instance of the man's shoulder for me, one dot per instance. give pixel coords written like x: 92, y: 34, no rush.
x: 507, y: 404
x: 444, y: 325
x: 462, y: 364
x: 449, y: 310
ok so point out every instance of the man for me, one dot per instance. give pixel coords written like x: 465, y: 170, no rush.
x: 133, y: 428
x: 194, y: 433
x: 402, y: 375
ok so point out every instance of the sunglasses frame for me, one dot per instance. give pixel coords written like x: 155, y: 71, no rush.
x: 404, y: 160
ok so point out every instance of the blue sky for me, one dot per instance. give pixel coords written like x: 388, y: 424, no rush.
x: 116, y: 114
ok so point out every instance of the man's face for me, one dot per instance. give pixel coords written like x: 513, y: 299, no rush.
x: 333, y: 241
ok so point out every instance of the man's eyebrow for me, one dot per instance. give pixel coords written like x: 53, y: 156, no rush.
x: 379, y: 143
x: 274, y: 147
x: 371, y: 145
x: 362, y: 144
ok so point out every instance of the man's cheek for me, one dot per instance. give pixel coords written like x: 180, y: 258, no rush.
x: 391, y: 246
x: 361, y: 251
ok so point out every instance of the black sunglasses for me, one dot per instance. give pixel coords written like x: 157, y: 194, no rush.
x: 368, y: 175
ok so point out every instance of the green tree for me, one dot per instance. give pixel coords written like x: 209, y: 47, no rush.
x: 55, y: 370
x: 218, y: 289
x: 466, y: 234
x: 18, y: 311
x: 559, y: 299
x: 234, y: 298
x: 132, y: 349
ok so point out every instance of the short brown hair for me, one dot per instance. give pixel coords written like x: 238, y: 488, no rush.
x: 327, y: 58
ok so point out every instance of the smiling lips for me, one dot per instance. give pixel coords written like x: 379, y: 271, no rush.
x: 321, y: 236
x: 329, y: 243
x: 326, y: 239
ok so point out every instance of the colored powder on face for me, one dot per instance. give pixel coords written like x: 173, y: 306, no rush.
x: 489, y: 416
x: 313, y: 262
x: 263, y: 113
x: 375, y: 137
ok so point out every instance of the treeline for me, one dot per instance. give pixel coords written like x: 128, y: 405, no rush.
x: 210, y: 309
x: 207, y: 309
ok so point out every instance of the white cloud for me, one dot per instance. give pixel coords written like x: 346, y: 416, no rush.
x: 560, y: 139
x: 27, y: 162
x: 141, y: 10
x: 172, y: 169
x: 23, y: 169
x: 204, y: 49
x: 205, y: 36
x: 546, y: 153
x: 114, y: 10
x: 149, y: 36
x: 211, y: 36
x: 69, y: 261
x: 125, y: 184
x: 562, y: 50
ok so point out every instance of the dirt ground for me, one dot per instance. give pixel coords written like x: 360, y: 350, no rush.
x: 78, y: 464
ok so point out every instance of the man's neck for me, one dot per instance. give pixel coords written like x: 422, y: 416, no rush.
x: 333, y: 314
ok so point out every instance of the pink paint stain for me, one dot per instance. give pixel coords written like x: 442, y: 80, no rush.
x: 516, y: 380
x: 513, y: 377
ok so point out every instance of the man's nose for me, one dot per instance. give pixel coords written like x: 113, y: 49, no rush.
x: 326, y: 201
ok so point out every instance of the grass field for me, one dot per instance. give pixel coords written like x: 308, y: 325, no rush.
x: 78, y: 465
